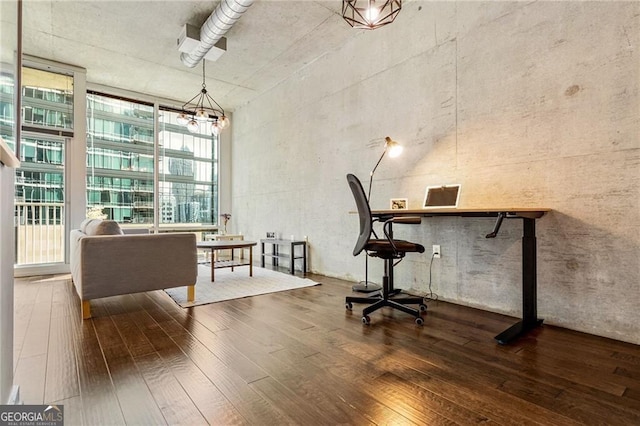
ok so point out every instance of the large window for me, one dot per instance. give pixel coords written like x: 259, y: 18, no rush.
x: 47, y: 113
x: 120, y: 158
x: 188, y: 166
x: 142, y: 167
x: 120, y: 165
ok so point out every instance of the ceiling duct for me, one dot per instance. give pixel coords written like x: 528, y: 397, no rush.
x: 216, y: 26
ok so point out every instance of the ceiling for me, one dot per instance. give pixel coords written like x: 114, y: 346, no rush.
x: 132, y: 44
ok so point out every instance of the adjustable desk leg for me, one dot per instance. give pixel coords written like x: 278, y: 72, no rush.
x: 390, y: 265
x: 529, y: 287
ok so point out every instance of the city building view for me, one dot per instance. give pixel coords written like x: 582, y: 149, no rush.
x: 121, y: 158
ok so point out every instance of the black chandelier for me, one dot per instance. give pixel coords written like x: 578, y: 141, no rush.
x: 203, y: 112
x: 370, y: 14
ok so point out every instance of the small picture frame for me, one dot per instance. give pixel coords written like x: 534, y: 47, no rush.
x: 271, y: 234
x: 399, y: 203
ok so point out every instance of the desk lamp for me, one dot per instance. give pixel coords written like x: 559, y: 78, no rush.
x: 395, y: 149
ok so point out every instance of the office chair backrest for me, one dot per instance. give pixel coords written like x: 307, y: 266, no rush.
x: 364, y: 212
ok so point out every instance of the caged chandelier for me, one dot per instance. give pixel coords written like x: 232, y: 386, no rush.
x: 204, y: 113
x: 370, y: 14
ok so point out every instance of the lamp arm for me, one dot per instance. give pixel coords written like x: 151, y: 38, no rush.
x: 373, y: 171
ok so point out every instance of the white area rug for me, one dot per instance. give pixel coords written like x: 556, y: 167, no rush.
x: 237, y: 284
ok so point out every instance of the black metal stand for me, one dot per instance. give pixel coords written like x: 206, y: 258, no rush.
x: 275, y: 254
x: 530, y: 318
x: 366, y: 286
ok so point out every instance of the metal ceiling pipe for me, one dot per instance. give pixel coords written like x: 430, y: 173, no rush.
x: 216, y: 26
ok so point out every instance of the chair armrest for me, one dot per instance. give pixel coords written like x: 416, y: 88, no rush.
x: 409, y: 220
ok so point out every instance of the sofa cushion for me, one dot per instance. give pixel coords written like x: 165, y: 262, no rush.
x: 103, y: 227
x: 83, y: 225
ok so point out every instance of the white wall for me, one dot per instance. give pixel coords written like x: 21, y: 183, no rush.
x: 10, y: 51
x: 8, y: 162
x: 524, y: 104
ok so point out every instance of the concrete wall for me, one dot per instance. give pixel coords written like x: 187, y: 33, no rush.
x: 524, y: 104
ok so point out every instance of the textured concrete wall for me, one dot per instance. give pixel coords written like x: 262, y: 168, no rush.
x: 524, y: 104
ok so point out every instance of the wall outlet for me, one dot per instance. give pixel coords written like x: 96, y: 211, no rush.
x: 436, y: 251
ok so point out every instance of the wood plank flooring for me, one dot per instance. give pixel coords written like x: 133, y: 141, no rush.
x: 299, y: 357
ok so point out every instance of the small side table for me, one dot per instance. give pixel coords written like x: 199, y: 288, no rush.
x: 224, y: 237
x: 275, y: 254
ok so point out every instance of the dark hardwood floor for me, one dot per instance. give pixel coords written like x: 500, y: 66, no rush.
x: 299, y: 357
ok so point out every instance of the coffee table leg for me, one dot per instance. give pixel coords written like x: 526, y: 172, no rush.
x: 250, y: 261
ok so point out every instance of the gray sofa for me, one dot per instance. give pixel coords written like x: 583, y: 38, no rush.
x: 106, y: 262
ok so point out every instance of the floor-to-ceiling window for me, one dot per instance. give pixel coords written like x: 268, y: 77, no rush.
x: 142, y: 167
x: 47, y: 126
x: 188, y: 165
x: 120, y: 158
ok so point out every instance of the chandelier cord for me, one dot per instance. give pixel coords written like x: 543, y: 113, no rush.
x: 204, y: 84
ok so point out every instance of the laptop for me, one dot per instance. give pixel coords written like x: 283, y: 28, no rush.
x: 441, y: 197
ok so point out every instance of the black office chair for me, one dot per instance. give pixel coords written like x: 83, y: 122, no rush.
x: 388, y: 249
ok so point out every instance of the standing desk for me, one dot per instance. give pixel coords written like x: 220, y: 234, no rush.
x: 528, y: 216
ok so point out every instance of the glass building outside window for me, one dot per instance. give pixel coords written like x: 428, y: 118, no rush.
x: 7, y: 113
x: 120, y: 165
x: 188, y: 165
x: 120, y: 151
x: 47, y: 123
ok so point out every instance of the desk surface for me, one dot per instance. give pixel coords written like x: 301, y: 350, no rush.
x: 527, y: 212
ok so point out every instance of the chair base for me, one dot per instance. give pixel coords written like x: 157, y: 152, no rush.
x: 366, y: 287
x: 399, y: 304
x: 381, y: 300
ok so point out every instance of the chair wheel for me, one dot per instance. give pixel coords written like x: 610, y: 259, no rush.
x: 348, y: 306
x: 423, y: 307
x: 419, y: 321
x: 366, y: 320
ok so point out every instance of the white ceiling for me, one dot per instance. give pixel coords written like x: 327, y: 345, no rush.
x: 132, y: 44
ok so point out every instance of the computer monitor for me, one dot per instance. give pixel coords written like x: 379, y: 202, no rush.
x: 441, y: 196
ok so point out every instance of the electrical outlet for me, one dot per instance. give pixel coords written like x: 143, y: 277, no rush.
x: 436, y: 251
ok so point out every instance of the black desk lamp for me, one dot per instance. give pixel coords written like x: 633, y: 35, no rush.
x: 395, y: 149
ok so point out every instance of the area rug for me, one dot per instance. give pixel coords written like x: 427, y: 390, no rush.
x: 237, y: 284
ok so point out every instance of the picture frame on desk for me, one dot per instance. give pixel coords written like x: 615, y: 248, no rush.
x: 399, y: 203
x: 271, y: 235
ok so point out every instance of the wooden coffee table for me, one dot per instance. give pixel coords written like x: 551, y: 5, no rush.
x: 228, y: 245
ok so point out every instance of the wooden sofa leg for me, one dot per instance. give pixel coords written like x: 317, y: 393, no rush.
x: 86, y: 309
x: 191, y: 293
